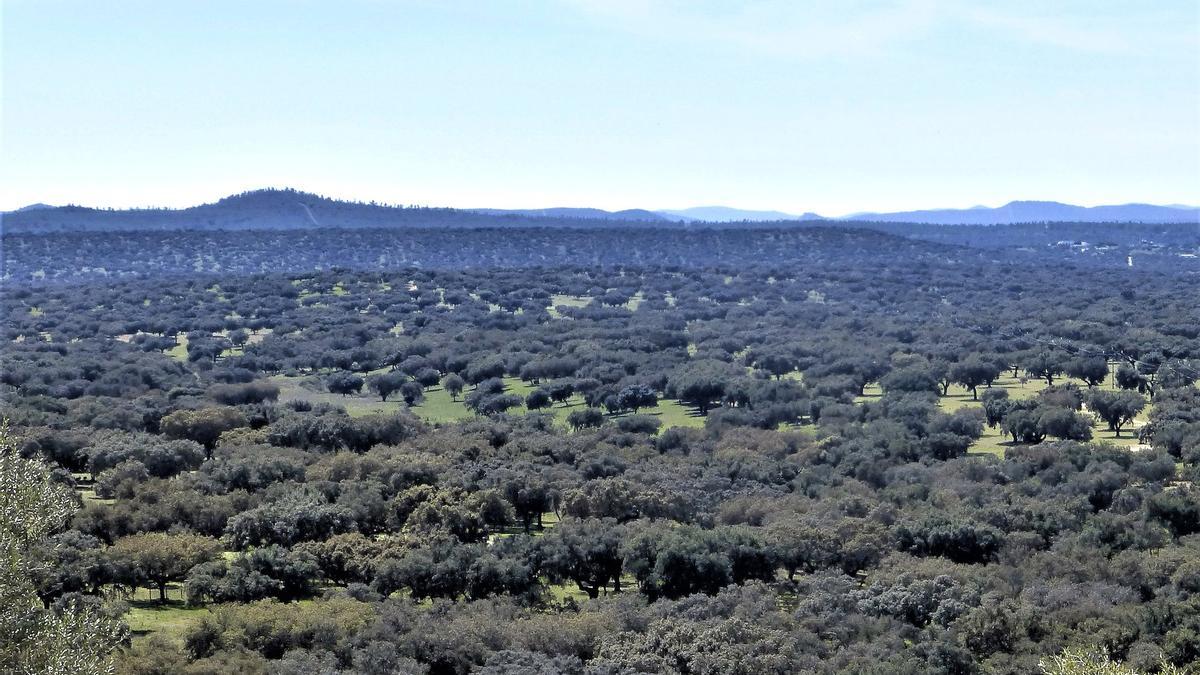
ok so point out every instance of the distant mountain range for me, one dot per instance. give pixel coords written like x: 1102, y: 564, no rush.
x: 725, y: 214
x: 291, y: 209
x: 1039, y: 212
x: 566, y: 212
x: 1012, y: 212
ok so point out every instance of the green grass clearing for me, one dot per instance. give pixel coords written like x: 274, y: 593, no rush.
x: 570, y: 590
x: 993, y: 442
x: 672, y: 413
x: 179, y: 351
x: 557, y: 301
x: 147, y: 617
x: 439, y: 408
x: 89, y: 495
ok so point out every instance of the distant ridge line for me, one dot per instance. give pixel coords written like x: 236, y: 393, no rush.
x: 293, y: 209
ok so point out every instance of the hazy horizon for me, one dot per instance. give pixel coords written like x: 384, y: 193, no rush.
x: 874, y: 106
x: 534, y: 207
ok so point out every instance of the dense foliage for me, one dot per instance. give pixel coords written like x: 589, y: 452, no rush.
x: 768, y: 455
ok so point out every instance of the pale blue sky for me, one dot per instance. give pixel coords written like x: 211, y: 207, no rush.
x: 831, y: 106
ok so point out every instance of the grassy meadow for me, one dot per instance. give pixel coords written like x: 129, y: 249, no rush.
x: 439, y: 407
x: 993, y: 441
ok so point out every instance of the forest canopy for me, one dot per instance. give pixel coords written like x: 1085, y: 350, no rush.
x: 788, y: 450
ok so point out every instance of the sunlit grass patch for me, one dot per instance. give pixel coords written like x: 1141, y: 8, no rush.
x: 557, y: 301
x: 672, y: 413
x: 179, y: 351
x: 993, y: 441
x: 171, y: 620
x: 439, y: 407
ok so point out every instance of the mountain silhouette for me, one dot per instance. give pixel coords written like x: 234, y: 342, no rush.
x: 287, y: 209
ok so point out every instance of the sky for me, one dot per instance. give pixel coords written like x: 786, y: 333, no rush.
x: 825, y: 106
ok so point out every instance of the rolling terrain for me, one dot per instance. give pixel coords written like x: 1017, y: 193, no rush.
x: 287, y: 209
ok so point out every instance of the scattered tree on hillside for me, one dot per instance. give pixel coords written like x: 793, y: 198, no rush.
x: 385, y: 384
x: 1116, y: 408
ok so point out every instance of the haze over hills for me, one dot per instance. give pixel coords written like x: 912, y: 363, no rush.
x: 34, y: 207
x: 285, y: 209
x: 567, y: 212
x: 1039, y: 211
x: 726, y: 214
x: 1012, y: 212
